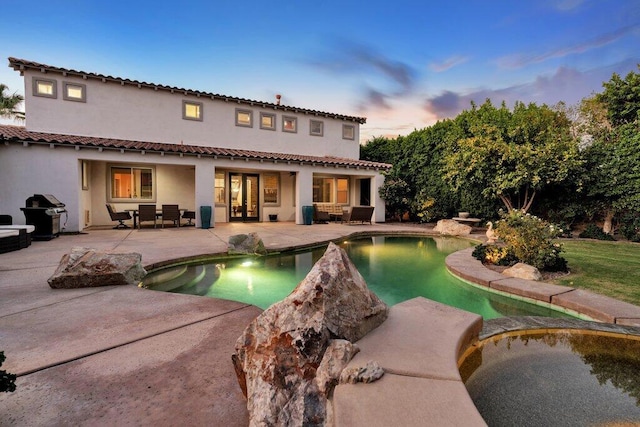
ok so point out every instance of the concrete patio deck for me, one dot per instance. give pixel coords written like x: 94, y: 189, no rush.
x: 131, y: 356
x: 126, y: 355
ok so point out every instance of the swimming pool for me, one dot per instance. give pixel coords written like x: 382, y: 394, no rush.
x: 559, y: 378
x: 396, y: 268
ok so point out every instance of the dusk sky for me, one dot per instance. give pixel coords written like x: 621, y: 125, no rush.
x: 401, y: 64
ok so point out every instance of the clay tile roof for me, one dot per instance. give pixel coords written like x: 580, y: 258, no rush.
x: 20, y: 134
x: 22, y: 64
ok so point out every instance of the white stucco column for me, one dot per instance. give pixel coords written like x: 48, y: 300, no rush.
x: 379, y: 215
x: 304, y: 192
x: 205, y: 188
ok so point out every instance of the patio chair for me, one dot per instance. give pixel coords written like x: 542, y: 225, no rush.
x: 146, y: 213
x: 320, y: 216
x: 171, y: 213
x: 190, y: 215
x: 121, y: 217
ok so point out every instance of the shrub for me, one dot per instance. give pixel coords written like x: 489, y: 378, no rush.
x: 630, y: 227
x: 423, y: 207
x: 7, y: 380
x: 594, y: 232
x: 530, y: 239
x: 496, y: 255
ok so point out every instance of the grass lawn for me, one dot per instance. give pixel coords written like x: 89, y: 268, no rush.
x: 607, y: 268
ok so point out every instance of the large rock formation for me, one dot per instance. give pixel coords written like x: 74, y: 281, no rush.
x: 85, y: 268
x: 451, y: 227
x: 241, y: 244
x: 279, y: 354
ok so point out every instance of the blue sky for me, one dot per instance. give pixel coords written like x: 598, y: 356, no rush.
x: 401, y: 64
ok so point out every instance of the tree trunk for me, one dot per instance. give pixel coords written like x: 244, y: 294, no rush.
x: 608, y: 222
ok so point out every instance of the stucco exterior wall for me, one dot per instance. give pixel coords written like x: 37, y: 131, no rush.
x: 127, y: 112
x: 188, y: 181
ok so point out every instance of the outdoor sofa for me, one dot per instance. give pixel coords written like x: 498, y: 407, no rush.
x: 360, y: 214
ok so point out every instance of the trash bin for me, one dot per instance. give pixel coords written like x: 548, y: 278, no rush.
x: 205, y: 216
x: 307, y: 215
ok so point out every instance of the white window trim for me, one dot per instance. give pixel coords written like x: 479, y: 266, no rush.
x: 184, y: 110
x: 54, y: 95
x: 154, y: 183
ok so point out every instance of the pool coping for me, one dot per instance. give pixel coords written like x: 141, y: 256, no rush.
x: 586, y: 304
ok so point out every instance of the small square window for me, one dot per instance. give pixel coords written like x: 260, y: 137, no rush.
x: 192, y: 110
x: 348, y: 132
x: 45, y: 87
x: 316, y: 127
x: 267, y: 121
x: 289, y: 124
x: 74, y: 92
x: 244, y: 118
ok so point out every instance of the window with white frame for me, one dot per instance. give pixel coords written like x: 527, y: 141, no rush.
x: 74, y: 92
x: 45, y: 87
x: 244, y: 118
x: 267, y: 121
x: 348, y: 132
x: 331, y: 190
x: 289, y: 124
x: 131, y: 183
x: 220, y: 188
x: 271, y: 188
x: 192, y: 110
x: 316, y: 127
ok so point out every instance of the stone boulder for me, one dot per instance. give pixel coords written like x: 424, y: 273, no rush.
x: 451, y: 227
x: 278, y: 355
x: 336, y: 357
x: 523, y: 271
x: 86, y: 268
x: 242, y: 244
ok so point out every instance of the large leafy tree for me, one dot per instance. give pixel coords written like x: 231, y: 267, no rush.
x: 509, y: 155
x: 612, y: 175
x: 9, y: 103
x: 622, y: 98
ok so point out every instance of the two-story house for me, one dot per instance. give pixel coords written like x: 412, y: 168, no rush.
x: 90, y: 139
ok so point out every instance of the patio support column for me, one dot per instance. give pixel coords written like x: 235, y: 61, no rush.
x: 379, y: 212
x: 304, y: 192
x: 205, y: 182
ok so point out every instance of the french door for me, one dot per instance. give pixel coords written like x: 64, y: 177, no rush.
x: 244, y: 204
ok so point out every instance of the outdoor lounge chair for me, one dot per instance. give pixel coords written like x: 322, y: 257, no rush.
x: 146, y: 213
x: 171, y: 213
x: 360, y: 214
x: 121, y: 217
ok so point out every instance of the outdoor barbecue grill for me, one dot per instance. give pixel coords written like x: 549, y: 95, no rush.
x: 43, y: 211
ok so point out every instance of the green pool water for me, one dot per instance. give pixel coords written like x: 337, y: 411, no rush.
x: 396, y: 268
